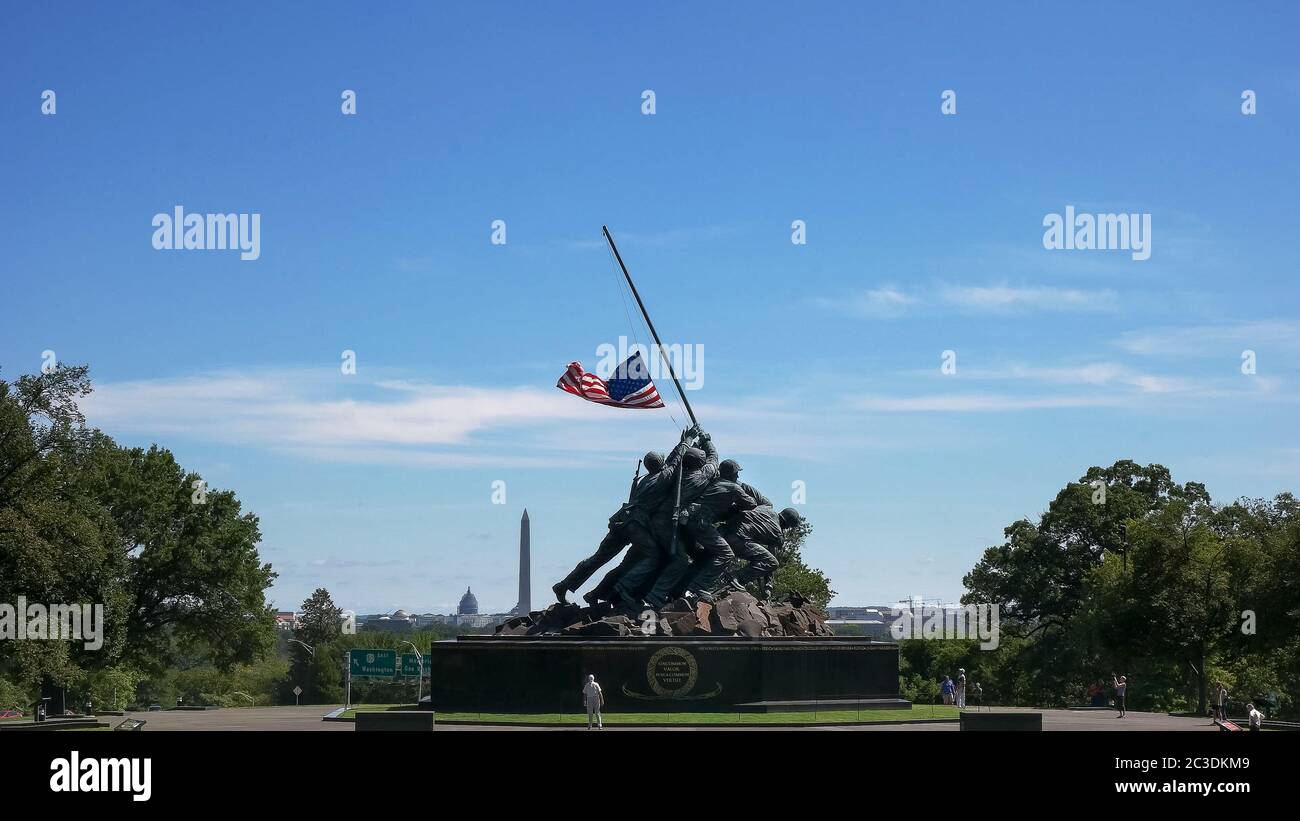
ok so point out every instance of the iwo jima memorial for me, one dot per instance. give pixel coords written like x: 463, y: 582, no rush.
x: 674, y: 626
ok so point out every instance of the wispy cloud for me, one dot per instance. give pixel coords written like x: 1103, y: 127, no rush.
x: 884, y: 301
x: 1218, y: 337
x: 320, y: 416
x: 1010, y: 299
x: 1024, y: 387
x: 654, y: 239
x: 892, y: 301
x: 1092, y: 373
x: 334, y: 417
x: 977, y: 402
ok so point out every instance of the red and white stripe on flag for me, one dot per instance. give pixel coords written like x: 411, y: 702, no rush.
x: 626, y: 393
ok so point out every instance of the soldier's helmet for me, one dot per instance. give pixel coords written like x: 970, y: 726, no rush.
x: 729, y: 469
x: 789, y: 518
x: 694, y: 458
x: 653, y: 461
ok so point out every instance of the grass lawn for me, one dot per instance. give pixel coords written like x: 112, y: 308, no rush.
x: 916, y: 713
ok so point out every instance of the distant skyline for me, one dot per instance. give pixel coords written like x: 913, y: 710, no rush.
x: 824, y: 363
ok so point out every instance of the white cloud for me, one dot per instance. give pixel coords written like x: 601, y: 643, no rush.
x: 1111, y: 374
x: 670, y: 237
x: 321, y: 416
x: 890, y: 301
x: 310, y: 412
x: 884, y: 301
x: 977, y: 403
x: 1008, y: 299
x: 1219, y: 338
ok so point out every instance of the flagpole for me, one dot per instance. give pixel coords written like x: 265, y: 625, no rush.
x: 651, y: 325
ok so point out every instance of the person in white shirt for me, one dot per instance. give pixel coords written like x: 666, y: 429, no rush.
x: 961, y: 689
x: 1121, y: 690
x: 594, y: 698
x: 1256, y: 718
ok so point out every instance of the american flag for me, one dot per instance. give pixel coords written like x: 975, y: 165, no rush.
x: 628, y: 387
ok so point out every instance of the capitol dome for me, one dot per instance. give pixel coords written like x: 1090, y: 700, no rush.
x: 401, y: 614
x: 468, y: 604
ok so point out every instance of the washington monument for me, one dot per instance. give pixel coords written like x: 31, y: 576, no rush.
x: 525, y: 605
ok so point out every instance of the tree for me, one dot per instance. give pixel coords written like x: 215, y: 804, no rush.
x: 1039, y: 576
x: 793, y: 576
x: 317, y: 670
x: 1149, y: 579
x: 58, y: 541
x: 83, y: 520
x: 1175, y: 600
x: 194, y: 565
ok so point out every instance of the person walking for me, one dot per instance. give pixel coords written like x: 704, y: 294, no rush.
x: 961, y: 689
x: 946, y: 690
x: 1121, y: 691
x: 1256, y: 717
x: 594, y: 698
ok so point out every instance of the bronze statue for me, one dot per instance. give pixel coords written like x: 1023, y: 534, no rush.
x: 630, y: 524
x: 686, y: 521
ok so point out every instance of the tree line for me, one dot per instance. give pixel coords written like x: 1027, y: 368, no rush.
x: 1130, y: 573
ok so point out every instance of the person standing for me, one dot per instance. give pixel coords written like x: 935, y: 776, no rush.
x: 594, y: 698
x: 961, y: 689
x: 946, y: 690
x: 977, y: 694
x: 1256, y: 717
x: 1121, y: 691
x: 1221, y: 701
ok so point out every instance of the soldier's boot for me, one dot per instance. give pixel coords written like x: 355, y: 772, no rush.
x: 628, y: 600
x: 559, y: 589
x: 591, y: 597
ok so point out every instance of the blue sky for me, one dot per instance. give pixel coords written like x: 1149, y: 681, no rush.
x: 821, y: 361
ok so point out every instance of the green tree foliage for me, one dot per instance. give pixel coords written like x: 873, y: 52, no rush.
x: 1150, y: 581
x: 317, y: 670
x: 85, y: 520
x: 793, y: 576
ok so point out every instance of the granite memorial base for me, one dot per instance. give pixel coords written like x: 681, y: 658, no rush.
x: 543, y: 674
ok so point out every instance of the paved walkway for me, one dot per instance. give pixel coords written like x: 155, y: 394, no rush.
x: 309, y: 718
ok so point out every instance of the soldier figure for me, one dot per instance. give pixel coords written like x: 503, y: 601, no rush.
x: 721, y: 500
x: 755, y: 535
x: 705, y: 499
x: 672, y: 516
x: 630, y: 525
x: 699, y: 470
x: 752, y: 534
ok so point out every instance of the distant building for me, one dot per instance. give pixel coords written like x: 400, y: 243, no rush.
x: 468, y: 604
x: 875, y: 621
x: 286, y: 620
x: 399, y: 621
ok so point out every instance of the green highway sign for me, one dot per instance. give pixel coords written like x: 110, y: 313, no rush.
x: 411, y: 667
x: 372, y: 663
